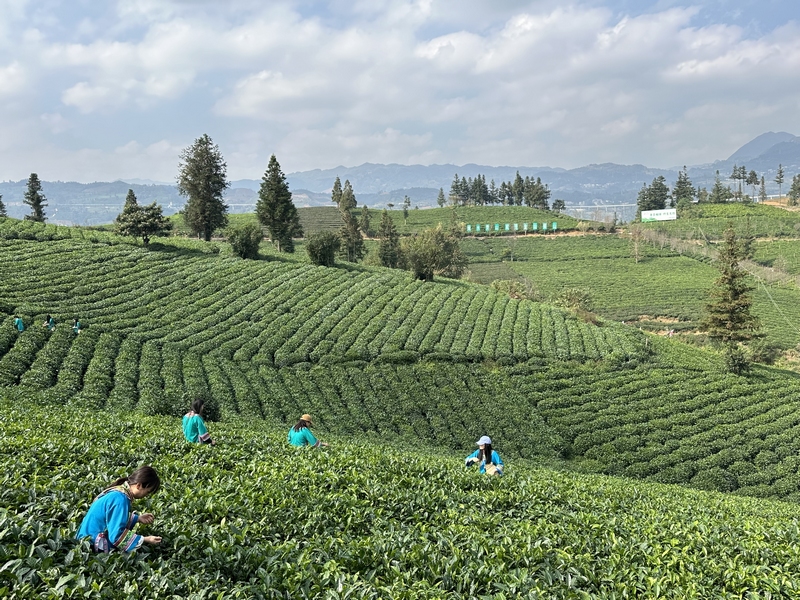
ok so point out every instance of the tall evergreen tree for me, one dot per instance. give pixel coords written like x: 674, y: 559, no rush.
x: 652, y: 197
x: 203, y: 179
x: 3, y: 213
x: 720, y: 192
x: 728, y: 319
x: 348, y: 200
x: 794, y: 191
x: 275, y: 209
x: 440, y: 199
x: 336, y: 193
x: 141, y: 221
x: 762, y: 191
x: 364, y: 220
x: 752, y: 181
x: 389, y: 246
x: 352, y: 241
x: 779, y: 180
x: 518, y: 189
x: 683, y: 190
x: 406, y: 206
x: 35, y: 199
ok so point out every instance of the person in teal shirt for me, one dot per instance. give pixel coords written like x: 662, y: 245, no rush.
x: 76, y: 326
x: 194, y: 428
x: 19, y: 324
x: 300, y: 434
x: 488, y: 459
x: 50, y: 323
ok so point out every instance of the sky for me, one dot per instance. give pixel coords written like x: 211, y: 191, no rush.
x: 98, y: 91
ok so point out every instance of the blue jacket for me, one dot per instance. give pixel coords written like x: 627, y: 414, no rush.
x: 110, y: 514
x: 496, y: 460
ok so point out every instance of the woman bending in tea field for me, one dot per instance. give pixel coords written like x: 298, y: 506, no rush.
x: 194, y: 428
x: 50, y: 323
x: 19, y: 324
x: 488, y: 459
x: 110, y: 521
x: 300, y: 434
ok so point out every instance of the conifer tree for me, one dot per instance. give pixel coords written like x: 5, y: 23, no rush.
x: 203, y: 179
x: 389, y: 246
x: 728, y: 319
x: 352, y: 242
x: 779, y: 180
x: 141, y: 221
x: 348, y: 200
x: 683, y: 190
x: 336, y: 193
x: 719, y: 193
x: 364, y: 220
x: 762, y: 192
x: 752, y: 181
x: 275, y: 209
x: 440, y: 200
x: 794, y: 191
x: 3, y: 213
x: 35, y: 199
x: 406, y: 206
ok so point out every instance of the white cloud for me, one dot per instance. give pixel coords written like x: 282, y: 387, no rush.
x: 529, y: 82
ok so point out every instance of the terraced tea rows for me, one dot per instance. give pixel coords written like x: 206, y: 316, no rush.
x: 253, y: 518
x: 282, y: 313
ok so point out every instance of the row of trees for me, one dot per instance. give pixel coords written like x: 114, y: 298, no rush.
x: 520, y: 192
x: 657, y: 195
x: 431, y: 252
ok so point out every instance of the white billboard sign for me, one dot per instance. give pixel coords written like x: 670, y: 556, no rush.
x: 669, y: 214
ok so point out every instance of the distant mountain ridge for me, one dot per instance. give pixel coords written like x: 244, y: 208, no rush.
x: 607, y: 185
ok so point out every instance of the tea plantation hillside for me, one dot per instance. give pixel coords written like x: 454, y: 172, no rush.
x: 254, y: 518
x: 373, y: 354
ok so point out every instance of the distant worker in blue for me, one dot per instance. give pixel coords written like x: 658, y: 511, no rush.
x: 19, y: 324
x: 76, y: 326
x: 49, y: 322
x: 194, y: 427
x: 488, y: 459
x: 110, y: 520
x: 300, y: 434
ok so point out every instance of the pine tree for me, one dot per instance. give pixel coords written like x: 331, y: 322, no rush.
x: 762, y: 192
x: 275, y: 209
x: 652, y: 197
x: 35, y: 199
x: 719, y: 193
x: 794, y: 191
x: 352, y: 242
x: 389, y: 246
x: 728, y: 320
x: 364, y: 220
x: 406, y: 206
x: 348, y: 199
x: 336, y: 193
x: 518, y: 189
x: 493, y: 192
x: 752, y: 181
x: 203, y: 179
x: 440, y: 199
x: 141, y: 221
x: 683, y: 193
x: 779, y: 181
x: 3, y: 213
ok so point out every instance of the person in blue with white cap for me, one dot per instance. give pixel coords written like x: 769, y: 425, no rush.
x: 488, y: 459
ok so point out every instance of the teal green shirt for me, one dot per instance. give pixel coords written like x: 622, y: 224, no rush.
x: 304, y: 437
x: 194, y: 428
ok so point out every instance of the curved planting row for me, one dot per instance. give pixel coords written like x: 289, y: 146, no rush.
x: 281, y: 312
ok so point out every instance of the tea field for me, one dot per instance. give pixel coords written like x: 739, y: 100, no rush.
x: 664, y: 290
x: 254, y: 518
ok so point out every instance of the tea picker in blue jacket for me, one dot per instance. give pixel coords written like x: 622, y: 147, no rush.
x: 488, y: 459
x: 110, y: 520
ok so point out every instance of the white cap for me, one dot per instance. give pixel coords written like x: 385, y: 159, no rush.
x: 485, y: 439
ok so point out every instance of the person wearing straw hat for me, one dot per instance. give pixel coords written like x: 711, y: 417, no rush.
x: 300, y: 434
x: 488, y: 459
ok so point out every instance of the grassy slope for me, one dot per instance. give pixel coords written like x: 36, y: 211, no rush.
x: 252, y: 517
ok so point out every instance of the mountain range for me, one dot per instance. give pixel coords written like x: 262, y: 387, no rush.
x: 605, y: 186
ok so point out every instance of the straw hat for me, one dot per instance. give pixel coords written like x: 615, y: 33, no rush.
x: 307, y: 418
